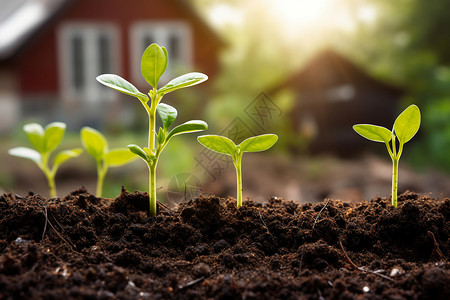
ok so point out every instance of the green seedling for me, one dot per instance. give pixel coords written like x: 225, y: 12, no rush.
x: 96, y: 145
x: 45, y: 142
x: 153, y: 65
x: 405, y: 127
x: 224, y: 145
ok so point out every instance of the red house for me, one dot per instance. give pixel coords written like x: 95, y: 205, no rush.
x: 52, y: 50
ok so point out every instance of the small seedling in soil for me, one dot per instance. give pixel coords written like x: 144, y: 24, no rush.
x: 45, y: 141
x: 224, y: 145
x: 405, y: 127
x: 153, y: 65
x: 96, y: 145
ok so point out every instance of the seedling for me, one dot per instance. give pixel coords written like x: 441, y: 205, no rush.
x: 45, y: 141
x: 153, y: 65
x: 96, y: 145
x: 224, y: 145
x: 405, y: 127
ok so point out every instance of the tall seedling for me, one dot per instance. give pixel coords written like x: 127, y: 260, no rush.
x: 45, y: 142
x: 405, y: 127
x: 226, y: 146
x: 153, y: 65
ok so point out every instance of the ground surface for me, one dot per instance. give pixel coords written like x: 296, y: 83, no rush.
x: 83, y: 247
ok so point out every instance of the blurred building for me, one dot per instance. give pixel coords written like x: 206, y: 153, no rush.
x: 52, y: 50
x: 331, y: 95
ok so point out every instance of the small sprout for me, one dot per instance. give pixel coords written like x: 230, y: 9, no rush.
x: 45, y: 142
x: 224, y: 145
x: 96, y: 145
x: 153, y: 65
x: 405, y: 127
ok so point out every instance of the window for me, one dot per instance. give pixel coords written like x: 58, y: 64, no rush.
x: 86, y: 51
x: 175, y: 36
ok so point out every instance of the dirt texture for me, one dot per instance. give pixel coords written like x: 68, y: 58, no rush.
x: 84, y: 247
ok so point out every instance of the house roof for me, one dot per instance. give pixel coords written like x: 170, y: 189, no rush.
x: 329, y: 66
x: 20, y: 19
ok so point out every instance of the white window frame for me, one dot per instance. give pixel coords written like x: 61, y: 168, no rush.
x: 161, y: 31
x: 93, y: 90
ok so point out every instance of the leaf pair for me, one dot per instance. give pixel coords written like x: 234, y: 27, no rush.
x: 405, y: 127
x: 96, y: 145
x: 168, y: 115
x: 224, y: 145
x: 153, y: 65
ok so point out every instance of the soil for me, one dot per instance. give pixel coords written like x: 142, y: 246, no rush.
x: 84, y: 247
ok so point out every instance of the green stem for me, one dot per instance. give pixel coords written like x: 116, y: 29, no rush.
x: 394, y: 181
x: 152, y: 184
x: 101, y: 173
x: 49, y: 174
x: 239, y: 177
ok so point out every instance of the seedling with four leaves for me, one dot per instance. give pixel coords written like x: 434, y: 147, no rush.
x: 224, y: 145
x: 96, y: 145
x: 45, y: 142
x: 153, y: 65
x: 405, y: 127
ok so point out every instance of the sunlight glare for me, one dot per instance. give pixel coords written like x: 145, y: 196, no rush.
x: 299, y: 13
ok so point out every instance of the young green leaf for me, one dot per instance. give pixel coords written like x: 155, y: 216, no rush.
x: 119, y: 157
x: 120, y: 84
x: 94, y: 142
x: 54, y: 133
x: 218, y: 144
x: 167, y: 113
x: 27, y: 153
x: 154, y: 63
x: 258, y: 143
x: 35, y: 134
x: 65, y: 155
x: 138, y: 151
x: 187, y: 127
x: 407, y: 124
x: 373, y: 132
x: 183, y: 81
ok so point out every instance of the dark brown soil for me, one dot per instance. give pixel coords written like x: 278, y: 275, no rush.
x: 83, y: 247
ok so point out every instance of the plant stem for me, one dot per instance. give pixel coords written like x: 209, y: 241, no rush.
x: 101, y: 172
x: 239, y: 178
x: 51, y: 185
x: 49, y: 174
x: 152, y: 191
x: 394, y: 181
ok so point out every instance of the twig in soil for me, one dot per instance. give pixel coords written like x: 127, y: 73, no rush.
x: 360, y: 268
x: 436, y: 246
x: 318, y: 215
x: 191, y: 283
x: 46, y: 221
x: 265, y: 225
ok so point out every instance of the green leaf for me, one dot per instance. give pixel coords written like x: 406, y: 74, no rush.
x: 94, y: 142
x: 119, y: 157
x: 218, y: 144
x: 138, y: 151
x: 154, y: 64
x: 183, y: 81
x: 54, y: 133
x: 373, y: 132
x: 190, y: 126
x: 258, y: 143
x: 35, y: 134
x: 27, y: 153
x: 167, y: 113
x: 161, y: 136
x: 120, y: 84
x: 407, y: 124
x: 65, y: 155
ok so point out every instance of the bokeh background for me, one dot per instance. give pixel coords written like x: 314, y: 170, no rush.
x: 305, y: 70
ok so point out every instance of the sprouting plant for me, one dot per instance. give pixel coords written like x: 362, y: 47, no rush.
x: 96, y: 145
x: 153, y: 65
x: 224, y: 145
x: 45, y: 141
x: 405, y: 127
